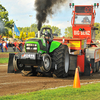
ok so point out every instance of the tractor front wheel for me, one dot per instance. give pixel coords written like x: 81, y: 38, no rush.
x: 46, y: 63
x: 17, y: 65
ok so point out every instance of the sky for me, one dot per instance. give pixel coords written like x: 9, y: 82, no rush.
x: 23, y: 13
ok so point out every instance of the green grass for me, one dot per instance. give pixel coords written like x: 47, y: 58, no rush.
x: 86, y: 92
x: 4, y: 60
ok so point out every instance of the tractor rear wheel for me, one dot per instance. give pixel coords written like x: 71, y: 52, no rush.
x: 87, y: 67
x: 60, y: 59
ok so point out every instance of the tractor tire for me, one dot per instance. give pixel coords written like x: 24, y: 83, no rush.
x: 17, y: 65
x: 97, y: 68
x: 46, y: 63
x: 31, y: 72
x: 87, y: 67
x: 60, y: 59
x: 94, y: 65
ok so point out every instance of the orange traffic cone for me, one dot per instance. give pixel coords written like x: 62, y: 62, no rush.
x: 76, y: 83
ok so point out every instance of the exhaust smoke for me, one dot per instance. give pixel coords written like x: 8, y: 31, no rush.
x: 45, y: 8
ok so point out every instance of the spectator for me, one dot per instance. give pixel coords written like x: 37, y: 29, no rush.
x: 5, y: 46
x: 17, y: 46
x: 1, y: 43
x: 20, y: 46
x: 7, y: 43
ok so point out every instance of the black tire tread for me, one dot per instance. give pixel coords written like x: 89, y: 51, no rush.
x: 59, y: 59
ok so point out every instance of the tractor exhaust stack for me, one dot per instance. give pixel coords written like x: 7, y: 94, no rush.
x: 38, y: 33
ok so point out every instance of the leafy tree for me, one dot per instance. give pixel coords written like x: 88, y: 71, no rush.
x: 24, y: 35
x: 21, y: 35
x: 31, y: 34
x: 5, y: 24
x: 10, y: 33
x: 16, y: 36
x: 68, y: 32
x: 56, y: 30
x: 27, y: 29
x: 34, y: 28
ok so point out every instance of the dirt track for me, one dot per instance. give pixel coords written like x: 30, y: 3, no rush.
x: 16, y: 83
x: 3, y: 55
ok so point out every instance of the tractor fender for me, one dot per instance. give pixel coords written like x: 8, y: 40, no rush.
x: 54, y: 45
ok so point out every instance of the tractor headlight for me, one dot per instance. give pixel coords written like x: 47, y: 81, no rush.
x: 28, y: 48
x: 35, y: 45
x: 27, y: 44
x: 34, y: 48
x: 31, y: 47
x: 31, y: 44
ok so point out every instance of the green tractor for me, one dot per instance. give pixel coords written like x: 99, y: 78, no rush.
x: 41, y: 55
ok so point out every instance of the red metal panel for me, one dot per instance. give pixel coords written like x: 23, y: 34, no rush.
x: 80, y: 62
x: 82, y: 34
x: 66, y: 41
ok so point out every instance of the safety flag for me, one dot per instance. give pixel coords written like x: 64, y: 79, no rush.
x: 16, y: 30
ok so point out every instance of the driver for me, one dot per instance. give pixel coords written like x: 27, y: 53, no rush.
x: 86, y: 20
x: 47, y: 38
x: 47, y: 35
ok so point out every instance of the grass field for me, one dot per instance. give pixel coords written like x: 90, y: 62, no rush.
x: 86, y: 92
x: 3, y: 60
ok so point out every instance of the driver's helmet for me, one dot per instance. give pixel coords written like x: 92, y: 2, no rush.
x: 85, y: 19
x: 47, y: 33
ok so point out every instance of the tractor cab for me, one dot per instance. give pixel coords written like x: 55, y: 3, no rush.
x: 46, y: 33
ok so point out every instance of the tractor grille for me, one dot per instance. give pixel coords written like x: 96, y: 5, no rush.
x: 31, y: 48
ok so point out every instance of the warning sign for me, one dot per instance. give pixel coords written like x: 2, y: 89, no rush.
x: 97, y: 54
x: 74, y: 43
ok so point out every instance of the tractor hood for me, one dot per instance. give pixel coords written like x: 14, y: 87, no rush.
x: 40, y: 42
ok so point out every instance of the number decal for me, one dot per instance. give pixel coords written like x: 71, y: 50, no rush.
x: 88, y: 9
